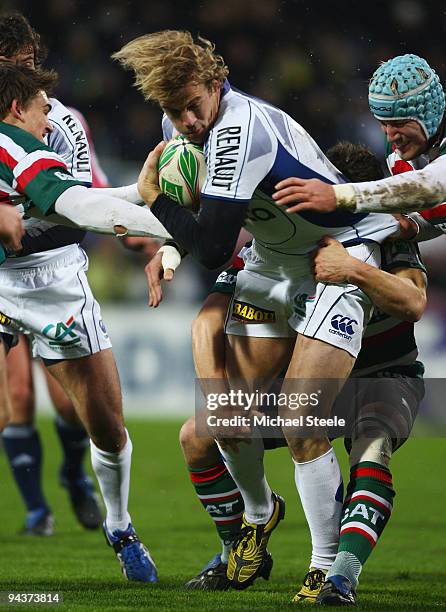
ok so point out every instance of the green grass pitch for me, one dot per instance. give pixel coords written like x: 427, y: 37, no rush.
x: 407, y: 570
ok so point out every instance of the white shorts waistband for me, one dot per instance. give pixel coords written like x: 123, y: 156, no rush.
x: 50, y: 260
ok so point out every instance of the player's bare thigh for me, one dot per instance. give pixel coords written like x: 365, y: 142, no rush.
x: 252, y: 366
x: 257, y: 360
x: 208, y: 347
x: 208, y: 337
x: 92, y: 384
x: 61, y: 402
x: 331, y: 366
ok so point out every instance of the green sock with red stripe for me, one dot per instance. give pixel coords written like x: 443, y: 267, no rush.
x: 222, y: 500
x: 366, y: 511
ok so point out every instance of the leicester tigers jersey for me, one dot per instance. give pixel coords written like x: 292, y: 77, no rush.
x: 30, y: 171
x: 70, y: 141
x: 397, y: 165
x: 389, y: 341
x: 253, y: 145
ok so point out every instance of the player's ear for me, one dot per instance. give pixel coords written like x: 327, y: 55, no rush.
x: 16, y: 109
x: 214, y: 86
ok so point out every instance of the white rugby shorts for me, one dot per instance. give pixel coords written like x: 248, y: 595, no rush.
x: 47, y: 296
x: 279, y: 304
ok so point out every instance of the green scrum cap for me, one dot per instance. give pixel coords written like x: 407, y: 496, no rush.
x: 406, y: 87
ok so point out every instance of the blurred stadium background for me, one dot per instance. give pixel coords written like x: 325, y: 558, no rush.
x: 311, y: 58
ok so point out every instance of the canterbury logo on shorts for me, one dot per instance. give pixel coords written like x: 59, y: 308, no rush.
x: 343, y: 326
x: 247, y: 313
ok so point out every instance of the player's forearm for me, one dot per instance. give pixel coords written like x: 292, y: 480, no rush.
x: 210, y: 238
x: 395, y: 296
x: 404, y: 192
x: 129, y: 193
x: 94, y: 211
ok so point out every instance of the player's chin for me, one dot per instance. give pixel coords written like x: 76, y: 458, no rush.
x: 197, y: 137
x: 408, y: 152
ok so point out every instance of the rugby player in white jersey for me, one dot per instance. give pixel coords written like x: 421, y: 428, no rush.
x: 46, y: 295
x: 407, y: 97
x: 248, y: 145
x: 380, y: 424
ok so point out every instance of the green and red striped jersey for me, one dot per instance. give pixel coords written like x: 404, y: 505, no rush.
x: 436, y: 215
x: 388, y: 341
x: 31, y: 171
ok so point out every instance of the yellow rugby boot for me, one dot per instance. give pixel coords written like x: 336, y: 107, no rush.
x: 313, y: 583
x: 249, y: 557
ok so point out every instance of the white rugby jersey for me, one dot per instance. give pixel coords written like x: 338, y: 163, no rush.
x: 254, y: 145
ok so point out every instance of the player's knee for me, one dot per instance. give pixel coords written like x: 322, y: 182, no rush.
x: 187, y: 433
x: 192, y: 446
x: 198, y: 451
x: 22, y: 403
x: 67, y: 411
x: 108, y: 438
x: 307, y: 449
x: 377, y: 450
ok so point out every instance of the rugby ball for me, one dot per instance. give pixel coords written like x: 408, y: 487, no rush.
x: 182, y: 172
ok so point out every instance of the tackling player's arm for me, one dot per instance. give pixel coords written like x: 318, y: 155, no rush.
x: 400, y: 293
x: 43, y: 177
x: 409, y: 191
x: 104, y: 214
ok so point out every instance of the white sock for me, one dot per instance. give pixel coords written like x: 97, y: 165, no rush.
x: 113, y: 473
x: 318, y: 482
x: 246, y: 468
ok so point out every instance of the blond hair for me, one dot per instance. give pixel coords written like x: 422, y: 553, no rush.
x: 164, y: 62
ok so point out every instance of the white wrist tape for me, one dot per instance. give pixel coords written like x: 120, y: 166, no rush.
x: 345, y: 196
x: 171, y: 258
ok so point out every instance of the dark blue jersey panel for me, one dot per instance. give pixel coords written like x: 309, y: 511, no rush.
x: 286, y: 166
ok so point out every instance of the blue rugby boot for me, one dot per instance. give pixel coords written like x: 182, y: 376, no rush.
x: 134, y: 558
x: 39, y: 522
